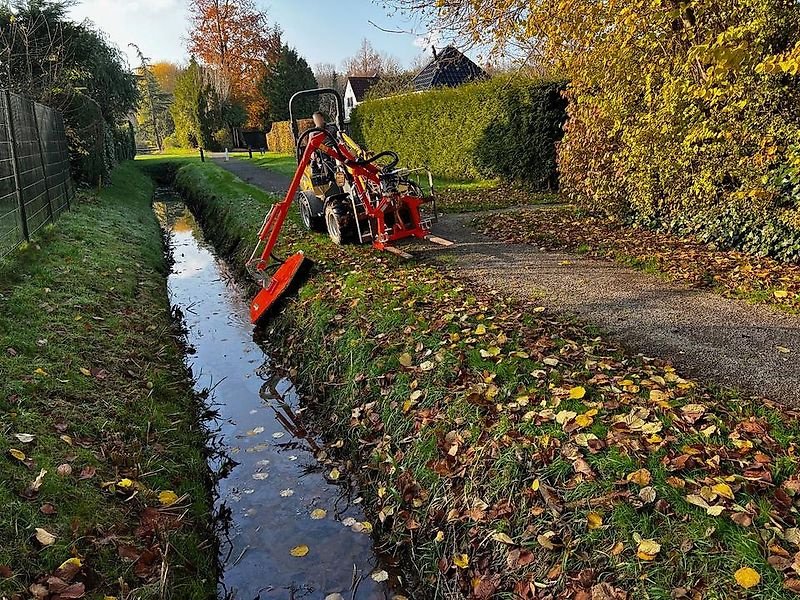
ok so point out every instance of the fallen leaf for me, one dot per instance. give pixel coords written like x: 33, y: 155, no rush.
x: 405, y: 360
x: 334, y: 474
x: 503, y: 538
x: 299, y: 551
x: 25, y: 438
x: 18, y: 454
x: 639, y: 477
x: 648, y: 549
x: 747, y: 577
x: 594, y: 520
x: 461, y: 561
x: 577, y: 393
x: 379, y: 576
x: 44, y: 537
x: 64, y: 470
x: 318, y: 513
x: 167, y: 498
x: 287, y: 492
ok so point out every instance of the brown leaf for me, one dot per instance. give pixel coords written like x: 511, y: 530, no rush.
x: 6, y: 572
x: 76, y: 590
x: 87, y: 472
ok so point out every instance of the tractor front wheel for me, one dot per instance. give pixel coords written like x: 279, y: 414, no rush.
x: 309, y: 205
x: 335, y: 222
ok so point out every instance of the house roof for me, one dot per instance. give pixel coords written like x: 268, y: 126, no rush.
x: 449, y: 68
x: 361, y: 85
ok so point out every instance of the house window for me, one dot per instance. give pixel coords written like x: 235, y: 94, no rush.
x: 350, y: 102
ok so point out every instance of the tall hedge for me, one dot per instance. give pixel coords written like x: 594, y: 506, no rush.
x: 279, y: 137
x: 503, y: 127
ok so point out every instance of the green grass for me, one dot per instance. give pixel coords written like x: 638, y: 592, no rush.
x: 89, y: 296
x: 280, y: 162
x: 361, y: 311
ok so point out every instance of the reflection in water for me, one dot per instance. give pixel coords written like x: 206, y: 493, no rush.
x: 270, y: 480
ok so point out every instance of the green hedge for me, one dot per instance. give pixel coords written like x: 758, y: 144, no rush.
x: 279, y: 137
x: 498, y: 128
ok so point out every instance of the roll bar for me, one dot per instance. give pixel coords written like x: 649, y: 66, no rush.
x: 316, y: 92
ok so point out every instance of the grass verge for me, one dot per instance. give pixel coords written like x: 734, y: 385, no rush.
x: 509, y: 453
x: 105, y: 484
x: 729, y: 272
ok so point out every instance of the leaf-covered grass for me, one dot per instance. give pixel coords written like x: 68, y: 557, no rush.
x: 730, y: 272
x: 93, y: 371
x: 506, y: 452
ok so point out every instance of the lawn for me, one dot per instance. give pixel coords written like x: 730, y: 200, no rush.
x: 105, y: 483
x: 505, y: 451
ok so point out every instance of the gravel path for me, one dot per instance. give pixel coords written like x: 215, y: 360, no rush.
x: 717, y: 340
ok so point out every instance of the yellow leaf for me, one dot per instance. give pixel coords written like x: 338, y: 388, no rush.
x: 584, y: 420
x: 648, y: 549
x: 86, y: 371
x: 168, y: 498
x: 747, y: 577
x: 18, y: 454
x: 366, y: 526
x: 502, y: 537
x: 70, y: 561
x: 594, y: 520
x: 461, y: 561
x: 439, y: 536
x: 125, y: 483
x: 299, y: 551
x: 334, y: 474
x: 535, y: 485
x: 577, y: 393
x: 405, y: 359
x: 318, y: 513
x: 780, y: 293
x: 492, y: 351
x: 640, y: 477
x: 724, y: 490
x: 41, y: 372
x: 480, y: 329
x: 44, y: 537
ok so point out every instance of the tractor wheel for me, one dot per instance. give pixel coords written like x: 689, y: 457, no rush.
x: 335, y: 221
x: 310, y: 206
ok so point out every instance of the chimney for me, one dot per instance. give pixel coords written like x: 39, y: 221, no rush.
x: 434, y: 52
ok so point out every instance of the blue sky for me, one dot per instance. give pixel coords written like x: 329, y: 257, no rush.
x: 321, y: 31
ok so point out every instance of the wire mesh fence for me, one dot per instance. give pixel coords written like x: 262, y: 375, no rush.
x: 35, y: 184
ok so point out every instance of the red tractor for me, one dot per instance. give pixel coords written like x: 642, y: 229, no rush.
x: 344, y: 190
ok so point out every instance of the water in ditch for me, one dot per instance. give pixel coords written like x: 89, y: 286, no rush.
x: 273, y: 493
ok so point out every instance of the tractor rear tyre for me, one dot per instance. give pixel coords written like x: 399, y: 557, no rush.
x: 307, y: 203
x: 335, y: 221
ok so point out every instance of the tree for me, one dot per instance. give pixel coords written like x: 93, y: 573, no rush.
x: 165, y: 73
x: 152, y: 102
x: 289, y: 74
x: 235, y: 38
x: 368, y: 62
x: 73, y: 68
x: 190, y: 110
x: 328, y: 77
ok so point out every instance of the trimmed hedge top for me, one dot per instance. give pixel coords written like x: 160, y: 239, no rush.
x: 498, y: 128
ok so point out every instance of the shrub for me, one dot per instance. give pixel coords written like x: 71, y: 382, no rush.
x: 279, y: 137
x: 497, y: 128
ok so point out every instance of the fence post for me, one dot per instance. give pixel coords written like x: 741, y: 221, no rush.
x: 41, y: 159
x: 15, y: 167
